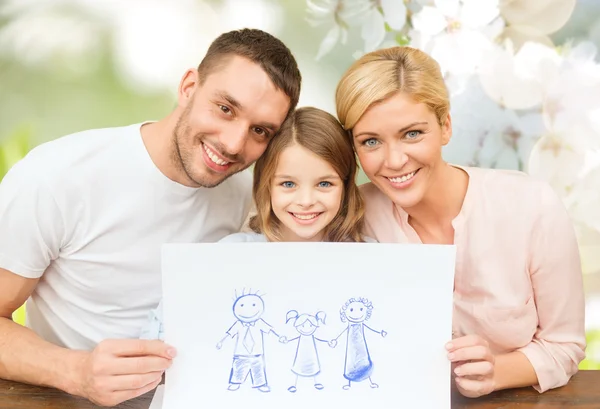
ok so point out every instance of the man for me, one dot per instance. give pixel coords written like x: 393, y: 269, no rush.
x: 83, y: 218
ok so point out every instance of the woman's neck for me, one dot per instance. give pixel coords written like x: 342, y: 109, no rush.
x: 442, y: 202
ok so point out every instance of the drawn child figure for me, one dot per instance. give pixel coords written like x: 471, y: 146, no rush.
x: 358, y: 365
x: 306, y: 361
x: 248, y: 330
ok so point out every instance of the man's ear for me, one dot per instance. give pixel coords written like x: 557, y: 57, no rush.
x: 447, y: 130
x: 187, y: 87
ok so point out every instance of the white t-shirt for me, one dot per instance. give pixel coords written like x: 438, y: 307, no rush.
x: 88, y: 213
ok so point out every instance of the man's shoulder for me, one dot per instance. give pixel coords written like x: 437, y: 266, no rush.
x: 75, y: 150
x: 240, y: 183
x: 236, y: 189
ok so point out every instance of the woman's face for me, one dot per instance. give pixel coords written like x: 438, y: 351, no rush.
x: 399, y: 146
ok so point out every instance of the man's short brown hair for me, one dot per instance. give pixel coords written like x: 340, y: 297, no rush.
x: 261, y: 48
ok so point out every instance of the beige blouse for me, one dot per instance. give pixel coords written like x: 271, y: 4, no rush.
x: 518, y: 278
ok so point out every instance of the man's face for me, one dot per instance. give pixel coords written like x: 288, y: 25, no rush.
x: 227, y: 121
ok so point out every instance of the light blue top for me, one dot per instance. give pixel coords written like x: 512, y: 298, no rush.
x: 154, y: 327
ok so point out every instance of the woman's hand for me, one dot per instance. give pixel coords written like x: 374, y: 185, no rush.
x: 473, y: 364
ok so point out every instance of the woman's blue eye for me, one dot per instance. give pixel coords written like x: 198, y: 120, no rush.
x: 370, y: 142
x: 324, y: 184
x: 413, y: 134
x: 288, y: 184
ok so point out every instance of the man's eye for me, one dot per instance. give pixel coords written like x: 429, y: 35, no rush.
x: 260, y: 131
x: 225, y: 109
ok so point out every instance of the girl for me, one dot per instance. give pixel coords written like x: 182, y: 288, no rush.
x: 306, y: 360
x: 518, y: 296
x: 304, y: 190
x: 304, y: 184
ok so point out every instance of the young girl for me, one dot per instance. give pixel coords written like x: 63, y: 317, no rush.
x: 304, y: 184
x: 304, y: 190
x: 306, y: 361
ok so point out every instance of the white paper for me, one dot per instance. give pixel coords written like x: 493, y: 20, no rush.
x: 407, y: 288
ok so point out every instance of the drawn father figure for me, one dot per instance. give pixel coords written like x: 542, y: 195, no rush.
x: 248, y: 355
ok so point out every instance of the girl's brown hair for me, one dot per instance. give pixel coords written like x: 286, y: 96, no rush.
x: 322, y: 134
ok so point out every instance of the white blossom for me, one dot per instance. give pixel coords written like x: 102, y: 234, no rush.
x: 490, y: 135
x: 339, y: 15
x: 534, y: 20
x: 457, y: 32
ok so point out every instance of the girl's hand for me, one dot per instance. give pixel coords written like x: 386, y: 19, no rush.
x: 473, y: 365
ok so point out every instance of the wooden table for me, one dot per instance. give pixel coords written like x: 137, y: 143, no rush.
x: 583, y: 392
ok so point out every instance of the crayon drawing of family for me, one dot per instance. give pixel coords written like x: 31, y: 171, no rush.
x: 249, y: 355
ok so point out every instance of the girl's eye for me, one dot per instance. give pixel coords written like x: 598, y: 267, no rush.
x: 351, y: 309
x: 361, y: 309
x: 288, y: 184
x: 413, y: 134
x: 225, y: 109
x: 324, y: 184
x: 370, y: 142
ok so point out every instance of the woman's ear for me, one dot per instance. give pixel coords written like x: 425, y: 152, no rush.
x: 447, y: 130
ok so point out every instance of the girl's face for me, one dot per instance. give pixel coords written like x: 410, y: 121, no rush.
x: 306, y: 194
x: 307, y: 328
x: 399, y: 146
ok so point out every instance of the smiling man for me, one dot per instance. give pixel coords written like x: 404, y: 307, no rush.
x: 80, y: 236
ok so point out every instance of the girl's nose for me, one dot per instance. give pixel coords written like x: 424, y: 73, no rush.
x: 305, y: 197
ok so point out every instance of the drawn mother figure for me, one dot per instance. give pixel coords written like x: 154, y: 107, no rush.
x: 358, y: 365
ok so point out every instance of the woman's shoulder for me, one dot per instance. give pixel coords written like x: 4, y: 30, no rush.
x: 509, y: 183
x: 376, y: 202
x: 244, y: 237
x: 513, y: 192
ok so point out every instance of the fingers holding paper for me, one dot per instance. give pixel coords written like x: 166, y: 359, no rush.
x: 119, y: 370
x: 473, y: 365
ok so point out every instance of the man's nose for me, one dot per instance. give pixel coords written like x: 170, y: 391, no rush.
x: 234, y: 139
x: 395, y: 156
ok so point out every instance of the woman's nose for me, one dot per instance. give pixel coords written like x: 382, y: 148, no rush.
x: 395, y: 157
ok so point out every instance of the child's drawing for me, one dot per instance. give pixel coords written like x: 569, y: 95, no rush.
x: 306, y: 361
x: 358, y: 365
x: 248, y: 330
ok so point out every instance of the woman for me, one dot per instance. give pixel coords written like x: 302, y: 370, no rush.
x: 518, y: 315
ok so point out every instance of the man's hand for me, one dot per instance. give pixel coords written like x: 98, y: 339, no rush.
x: 119, y: 370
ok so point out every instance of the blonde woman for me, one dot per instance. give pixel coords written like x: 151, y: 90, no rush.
x: 518, y: 315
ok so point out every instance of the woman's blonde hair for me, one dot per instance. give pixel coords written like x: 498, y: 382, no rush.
x: 322, y: 134
x: 380, y: 74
